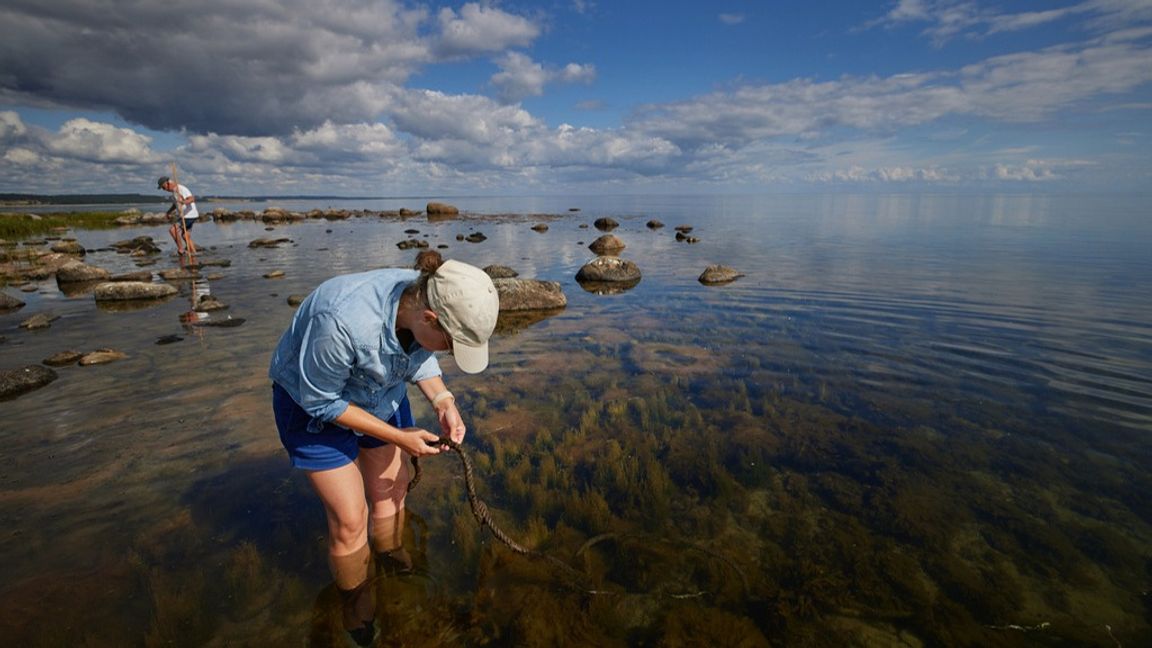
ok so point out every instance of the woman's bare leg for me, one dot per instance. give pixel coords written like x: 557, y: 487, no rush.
x: 341, y: 490
x: 386, y: 477
x: 349, y: 557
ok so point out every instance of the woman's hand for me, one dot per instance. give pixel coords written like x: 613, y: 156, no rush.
x: 416, y: 442
x: 450, y: 420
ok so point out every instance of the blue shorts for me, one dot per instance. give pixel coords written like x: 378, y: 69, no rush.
x: 186, y: 223
x: 333, y: 446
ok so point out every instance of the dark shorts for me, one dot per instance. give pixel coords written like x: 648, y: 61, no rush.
x: 187, y: 223
x: 333, y: 446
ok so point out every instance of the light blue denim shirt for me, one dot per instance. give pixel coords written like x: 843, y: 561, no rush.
x: 342, y: 348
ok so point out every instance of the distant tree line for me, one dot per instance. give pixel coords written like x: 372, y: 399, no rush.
x: 78, y: 199
x: 112, y: 199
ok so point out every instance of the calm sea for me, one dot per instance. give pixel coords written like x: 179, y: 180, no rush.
x: 917, y: 418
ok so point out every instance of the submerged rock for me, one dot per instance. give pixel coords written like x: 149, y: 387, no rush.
x: 179, y: 274
x: 268, y: 243
x: 231, y: 322
x: 128, y: 290
x: 143, y: 275
x: 139, y: 246
x: 39, y: 321
x: 63, y: 358
x: 14, y: 382
x: 719, y: 274
x: 101, y: 356
x: 209, y: 303
x: 69, y: 246
x: 8, y: 302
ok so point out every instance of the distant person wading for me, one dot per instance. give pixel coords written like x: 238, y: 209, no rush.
x: 184, y: 210
x: 340, y: 394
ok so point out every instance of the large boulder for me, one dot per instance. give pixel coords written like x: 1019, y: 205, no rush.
x: 441, y: 209
x: 606, y: 224
x: 78, y: 271
x: 128, y: 290
x: 529, y: 294
x: 280, y: 215
x: 609, y: 269
x: 607, y: 244
x: 14, y: 382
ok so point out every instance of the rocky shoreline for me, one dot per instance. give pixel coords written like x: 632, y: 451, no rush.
x: 523, y: 301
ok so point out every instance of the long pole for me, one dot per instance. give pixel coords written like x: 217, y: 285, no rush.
x: 188, y: 244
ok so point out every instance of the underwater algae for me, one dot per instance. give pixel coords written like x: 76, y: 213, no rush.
x: 700, y: 508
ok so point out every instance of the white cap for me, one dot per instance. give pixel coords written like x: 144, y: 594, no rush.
x: 467, y: 304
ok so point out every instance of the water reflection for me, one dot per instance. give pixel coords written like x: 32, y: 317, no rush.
x: 898, y: 428
x: 608, y: 287
x: 513, y: 322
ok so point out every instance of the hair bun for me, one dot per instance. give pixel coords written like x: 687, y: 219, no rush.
x: 428, y: 261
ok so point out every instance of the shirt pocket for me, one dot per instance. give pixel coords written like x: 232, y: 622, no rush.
x: 398, y: 365
x: 363, y: 390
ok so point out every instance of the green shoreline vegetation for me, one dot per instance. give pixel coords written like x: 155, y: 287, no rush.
x: 23, y: 226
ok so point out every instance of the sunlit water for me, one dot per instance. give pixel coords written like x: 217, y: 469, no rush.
x: 917, y: 419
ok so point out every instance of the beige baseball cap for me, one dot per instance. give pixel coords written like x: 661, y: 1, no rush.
x: 466, y: 301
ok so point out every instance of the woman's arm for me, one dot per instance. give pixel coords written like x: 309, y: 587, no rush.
x: 444, y: 403
x: 410, y: 440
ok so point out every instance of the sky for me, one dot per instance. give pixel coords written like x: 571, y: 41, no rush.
x: 399, y: 98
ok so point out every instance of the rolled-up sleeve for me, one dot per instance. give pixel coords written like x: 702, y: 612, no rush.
x: 326, y: 358
x: 430, y: 368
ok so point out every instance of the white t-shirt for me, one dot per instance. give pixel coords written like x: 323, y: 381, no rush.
x: 189, y: 208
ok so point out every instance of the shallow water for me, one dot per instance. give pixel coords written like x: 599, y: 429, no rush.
x: 917, y: 419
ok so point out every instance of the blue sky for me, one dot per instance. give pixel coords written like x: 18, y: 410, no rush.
x: 385, y: 97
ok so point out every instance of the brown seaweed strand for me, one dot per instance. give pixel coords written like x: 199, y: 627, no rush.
x: 480, y: 509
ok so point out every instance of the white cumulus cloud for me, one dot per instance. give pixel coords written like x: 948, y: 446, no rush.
x: 521, y: 77
x: 94, y: 141
x: 478, y: 29
x: 11, y: 126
